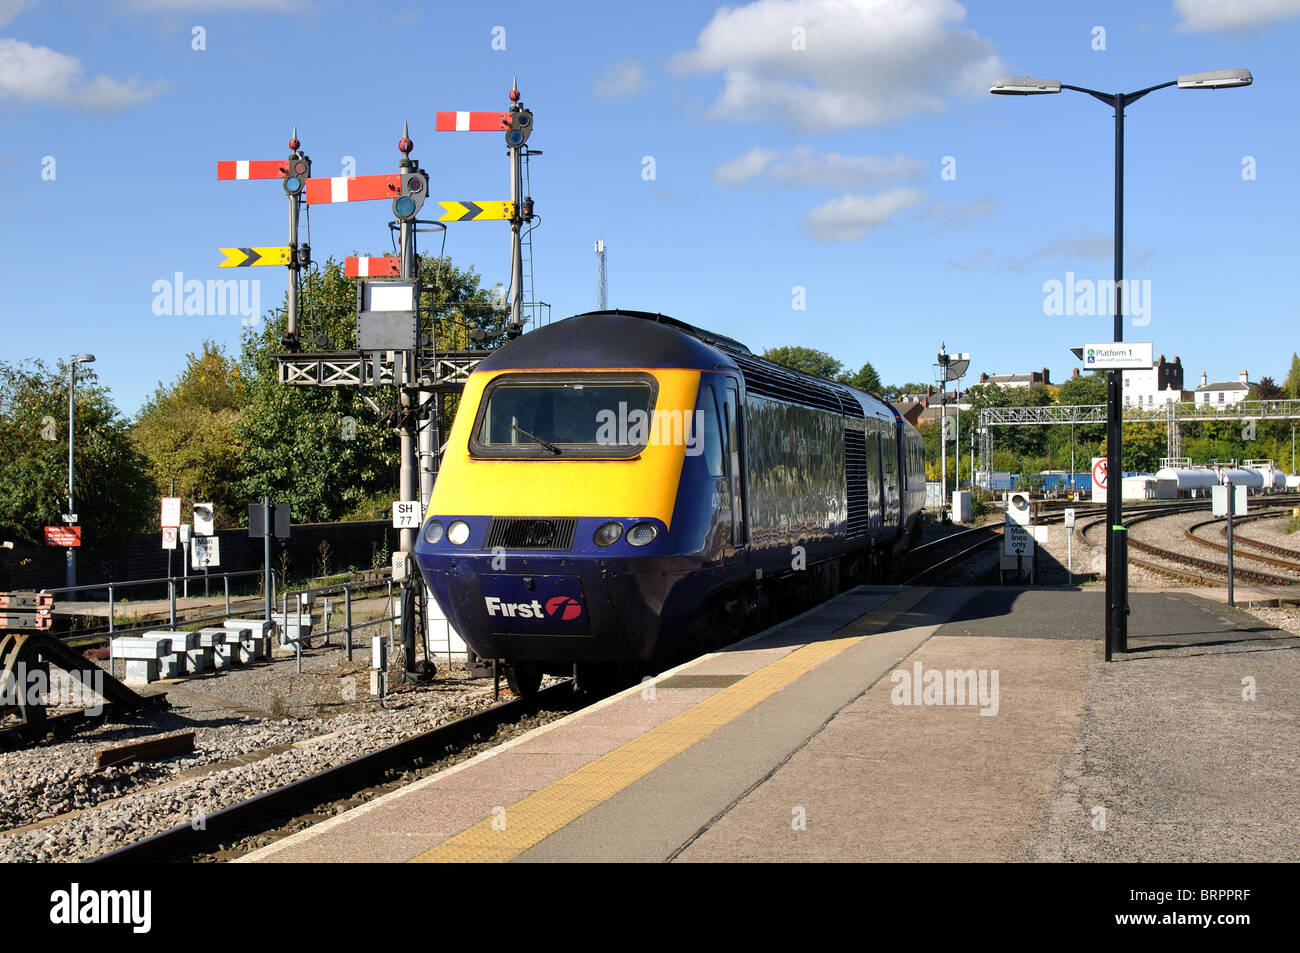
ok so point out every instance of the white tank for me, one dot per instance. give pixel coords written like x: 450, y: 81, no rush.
x: 1251, y: 479
x: 1189, y: 478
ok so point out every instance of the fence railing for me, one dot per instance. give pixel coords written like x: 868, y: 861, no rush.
x: 309, y: 596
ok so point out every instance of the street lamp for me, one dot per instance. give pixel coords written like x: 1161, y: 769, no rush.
x: 1116, y: 541
x: 72, y: 384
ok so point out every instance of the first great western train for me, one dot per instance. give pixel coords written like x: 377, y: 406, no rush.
x: 621, y: 488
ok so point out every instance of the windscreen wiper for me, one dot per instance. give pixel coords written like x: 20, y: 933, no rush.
x: 531, y: 436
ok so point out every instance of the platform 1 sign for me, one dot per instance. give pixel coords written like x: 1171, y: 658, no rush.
x: 1018, y: 540
x: 1115, y: 356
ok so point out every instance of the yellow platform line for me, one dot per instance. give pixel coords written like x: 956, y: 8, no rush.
x: 513, y: 830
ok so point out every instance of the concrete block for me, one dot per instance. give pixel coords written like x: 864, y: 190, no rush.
x: 131, y: 647
x: 199, y: 659
x: 211, y: 638
x: 225, y: 655
x: 141, y: 671
x: 260, y: 627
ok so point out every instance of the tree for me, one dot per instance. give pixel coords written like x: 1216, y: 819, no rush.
x: 1084, y: 390
x: 188, y: 433
x: 1266, y: 389
x: 1292, y: 385
x: 114, y: 494
x: 866, y: 379
x: 806, y: 359
x: 895, y: 391
x: 323, y: 449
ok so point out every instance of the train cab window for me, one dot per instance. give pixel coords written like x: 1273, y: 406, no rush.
x: 549, y: 415
x: 710, y: 432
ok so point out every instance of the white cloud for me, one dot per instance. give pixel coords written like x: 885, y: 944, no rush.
x: 849, y: 217
x: 38, y: 74
x: 1203, y: 15
x: 623, y: 78
x: 803, y: 166
x: 865, y: 62
x: 1094, y: 249
x: 11, y: 8
x: 736, y: 172
x: 957, y: 214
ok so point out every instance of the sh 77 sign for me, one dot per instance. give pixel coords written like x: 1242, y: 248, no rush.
x: 406, y: 514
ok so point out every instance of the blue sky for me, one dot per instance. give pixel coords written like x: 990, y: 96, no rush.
x: 795, y: 144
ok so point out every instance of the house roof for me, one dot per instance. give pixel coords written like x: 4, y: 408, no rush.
x: 1225, y: 385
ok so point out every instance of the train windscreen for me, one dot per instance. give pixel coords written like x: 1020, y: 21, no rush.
x: 577, y: 418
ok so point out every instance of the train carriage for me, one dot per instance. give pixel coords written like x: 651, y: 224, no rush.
x: 619, y: 487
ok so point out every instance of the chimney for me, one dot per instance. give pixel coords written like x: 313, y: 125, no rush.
x: 1076, y: 373
x: 984, y: 378
x: 1204, y: 381
x: 1047, y: 376
x: 1244, y: 378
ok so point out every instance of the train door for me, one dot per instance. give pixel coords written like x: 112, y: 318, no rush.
x: 734, y: 427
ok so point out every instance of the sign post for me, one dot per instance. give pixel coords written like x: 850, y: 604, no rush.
x: 267, y: 520
x: 1069, y: 546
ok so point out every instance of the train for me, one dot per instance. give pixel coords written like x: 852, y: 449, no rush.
x: 621, y: 488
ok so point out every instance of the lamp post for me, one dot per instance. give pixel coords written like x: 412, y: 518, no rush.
x: 72, y: 384
x: 1116, y: 539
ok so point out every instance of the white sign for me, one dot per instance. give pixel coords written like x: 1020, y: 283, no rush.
x: 1069, y: 519
x: 1219, y: 501
x: 69, y: 517
x: 1018, y: 540
x: 406, y: 515
x: 171, y: 511
x: 1114, y: 356
x: 205, y: 551
x: 203, y: 523
x: 169, y: 537
x: 1099, y: 479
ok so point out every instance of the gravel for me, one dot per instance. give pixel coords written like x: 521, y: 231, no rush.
x: 307, y: 722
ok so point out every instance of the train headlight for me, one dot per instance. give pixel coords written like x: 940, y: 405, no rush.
x: 607, y: 533
x: 432, y: 531
x: 458, y: 532
x: 642, y: 534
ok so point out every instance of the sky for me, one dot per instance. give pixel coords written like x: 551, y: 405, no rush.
x: 828, y: 173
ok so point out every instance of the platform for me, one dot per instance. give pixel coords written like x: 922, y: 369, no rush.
x: 809, y: 742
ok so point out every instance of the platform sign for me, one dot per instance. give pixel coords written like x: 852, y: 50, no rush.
x: 406, y: 515
x: 1018, y: 540
x: 1099, y: 479
x: 171, y: 511
x: 205, y: 551
x: 1115, y: 356
x: 63, y: 536
x: 169, y: 535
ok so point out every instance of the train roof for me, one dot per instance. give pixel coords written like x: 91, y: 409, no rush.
x: 647, y: 339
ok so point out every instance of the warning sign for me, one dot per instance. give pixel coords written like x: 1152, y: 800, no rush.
x: 1099, y: 476
x: 63, y: 536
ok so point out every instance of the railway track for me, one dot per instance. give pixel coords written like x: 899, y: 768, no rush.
x: 1196, y: 566
x: 211, y: 836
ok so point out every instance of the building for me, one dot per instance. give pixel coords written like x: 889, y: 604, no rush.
x: 1018, y: 380
x: 1160, y: 384
x: 1224, y: 393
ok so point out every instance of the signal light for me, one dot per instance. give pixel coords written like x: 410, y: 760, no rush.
x: 415, y: 188
x: 521, y: 127
x: 296, y: 173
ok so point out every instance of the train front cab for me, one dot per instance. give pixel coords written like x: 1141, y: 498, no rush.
x: 531, y: 572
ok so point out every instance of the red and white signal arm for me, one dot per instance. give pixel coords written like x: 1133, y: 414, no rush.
x: 171, y: 511
x: 1099, y: 472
